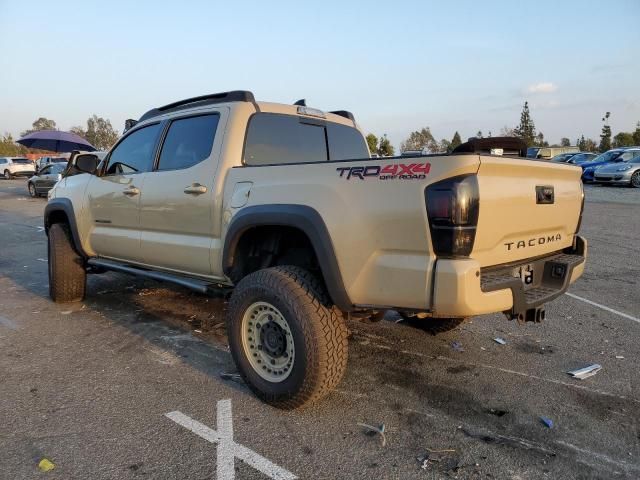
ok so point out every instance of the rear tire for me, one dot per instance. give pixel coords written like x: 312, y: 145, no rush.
x: 67, y: 274
x: 288, y: 342
x: 32, y: 190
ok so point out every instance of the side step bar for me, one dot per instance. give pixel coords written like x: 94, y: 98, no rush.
x: 197, y: 285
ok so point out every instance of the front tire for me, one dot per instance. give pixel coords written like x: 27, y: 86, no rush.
x: 288, y: 342
x: 67, y: 274
x: 32, y: 190
x: 7, y: 175
x: 635, y: 179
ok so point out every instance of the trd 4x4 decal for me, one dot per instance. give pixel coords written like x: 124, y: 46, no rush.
x: 392, y: 171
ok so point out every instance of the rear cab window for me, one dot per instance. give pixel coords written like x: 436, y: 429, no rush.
x: 275, y: 139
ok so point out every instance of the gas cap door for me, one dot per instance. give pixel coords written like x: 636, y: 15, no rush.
x: 240, y: 195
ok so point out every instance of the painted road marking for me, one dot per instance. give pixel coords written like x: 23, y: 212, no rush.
x: 603, y: 307
x: 228, y: 449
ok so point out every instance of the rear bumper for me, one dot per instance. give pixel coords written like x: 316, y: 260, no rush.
x: 463, y: 289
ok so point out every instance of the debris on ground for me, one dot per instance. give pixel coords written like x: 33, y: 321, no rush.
x: 46, y: 465
x: 66, y: 312
x: 585, y: 372
x: 42, y: 260
x: 236, y: 377
x: 371, y: 430
x: 499, y: 340
x: 438, y: 456
x: 547, y: 422
x: 457, y: 346
x: 619, y: 357
x: 497, y: 412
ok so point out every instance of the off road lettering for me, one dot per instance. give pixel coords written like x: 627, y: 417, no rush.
x: 394, y: 171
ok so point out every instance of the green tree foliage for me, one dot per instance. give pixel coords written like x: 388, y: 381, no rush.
x: 385, y: 149
x: 9, y: 148
x: 420, y: 139
x: 455, y: 141
x: 605, y: 136
x: 444, y: 146
x: 623, y: 139
x: 636, y: 135
x: 41, y: 123
x: 565, y: 142
x: 507, y: 132
x: 586, y: 145
x: 540, y: 141
x: 526, y: 130
x: 98, y: 133
x: 372, y: 142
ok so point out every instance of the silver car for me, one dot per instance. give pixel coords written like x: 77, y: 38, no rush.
x: 626, y: 172
x: 45, y: 179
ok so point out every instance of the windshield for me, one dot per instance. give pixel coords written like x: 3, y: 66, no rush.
x: 57, y: 168
x: 22, y: 161
x: 608, y: 156
x: 581, y: 158
x: 58, y: 160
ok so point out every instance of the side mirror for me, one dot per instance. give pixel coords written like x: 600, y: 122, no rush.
x: 86, y: 163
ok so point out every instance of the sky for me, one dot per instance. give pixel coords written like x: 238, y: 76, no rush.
x: 398, y: 66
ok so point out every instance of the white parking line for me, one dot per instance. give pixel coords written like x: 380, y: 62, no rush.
x: 228, y: 449
x: 603, y: 307
x: 4, y: 321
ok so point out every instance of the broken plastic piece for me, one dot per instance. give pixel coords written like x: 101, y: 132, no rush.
x: 499, y: 340
x: 379, y: 430
x: 585, y: 372
x: 547, y: 421
x: 46, y: 465
x: 457, y: 346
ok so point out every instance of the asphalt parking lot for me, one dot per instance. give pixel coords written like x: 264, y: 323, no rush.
x: 88, y: 386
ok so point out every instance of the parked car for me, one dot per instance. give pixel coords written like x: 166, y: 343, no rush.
x: 626, y: 172
x: 564, y: 157
x: 546, y: 153
x: 610, y: 156
x: 44, y: 161
x: 16, y: 167
x: 269, y: 198
x: 580, y: 158
x: 45, y: 179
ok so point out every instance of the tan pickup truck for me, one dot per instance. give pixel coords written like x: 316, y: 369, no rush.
x: 284, y: 204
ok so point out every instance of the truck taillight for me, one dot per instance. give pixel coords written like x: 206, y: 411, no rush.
x: 452, y: 208
x: 581, y: 208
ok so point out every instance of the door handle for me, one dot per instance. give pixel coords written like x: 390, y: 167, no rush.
x: 131, y: 191
x: 195, y: 189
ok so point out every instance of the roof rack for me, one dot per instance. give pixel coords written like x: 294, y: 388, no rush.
x: 345, y: 114
x: 211, y: 99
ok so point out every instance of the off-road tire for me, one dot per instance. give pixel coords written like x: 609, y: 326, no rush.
x: 67, y: 274
x: 7, y: 175
x: 434, y: 326
x: 318, y: 331
x: 32, y: 190
x: 635, y: 179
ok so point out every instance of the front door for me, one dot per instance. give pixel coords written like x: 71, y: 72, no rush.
x: 177, y: 205
x: 114, y: 196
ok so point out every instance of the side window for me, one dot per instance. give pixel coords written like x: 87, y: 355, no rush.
x: 134, y: 154
x: 276, y: 139
x: 345, y: 143
x: 2, y: 161
x: 188, y: 142
x: 45, y: 171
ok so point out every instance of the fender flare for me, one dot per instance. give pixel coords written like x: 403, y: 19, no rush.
x: 302, y: 217
x: 64, y: 205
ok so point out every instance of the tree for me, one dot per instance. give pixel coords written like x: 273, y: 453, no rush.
x: 540, y: 141
x: 507, y: 132
x: 418, y: 140
x: 479, y: 134
x: 9, y: 148
x: 586, y: 145
x: 385, y: 149
x: 444, y: 146
x: 623, y: 139
x: 41, y: 123
x: 100, y: 133
x: 565, y: 142
x: 636, y: 135
x: 372, y: 141
x: 605, y: 136
x: 455, y: 141
x: 526, y: 130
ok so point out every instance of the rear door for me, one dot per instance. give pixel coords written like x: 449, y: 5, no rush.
x: 114, y: 196
x: 528, y: 208
x: 177, y: 203
x: 40, y: 180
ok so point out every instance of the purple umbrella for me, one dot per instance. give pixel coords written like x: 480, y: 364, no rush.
x: 55, y: 141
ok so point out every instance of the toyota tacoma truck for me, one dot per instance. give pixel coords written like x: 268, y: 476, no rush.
x: 284, y: 204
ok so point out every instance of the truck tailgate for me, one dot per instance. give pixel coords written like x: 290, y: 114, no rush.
x: 518, y: 219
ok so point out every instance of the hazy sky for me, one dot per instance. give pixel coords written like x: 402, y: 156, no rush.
x: 398, y: 66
